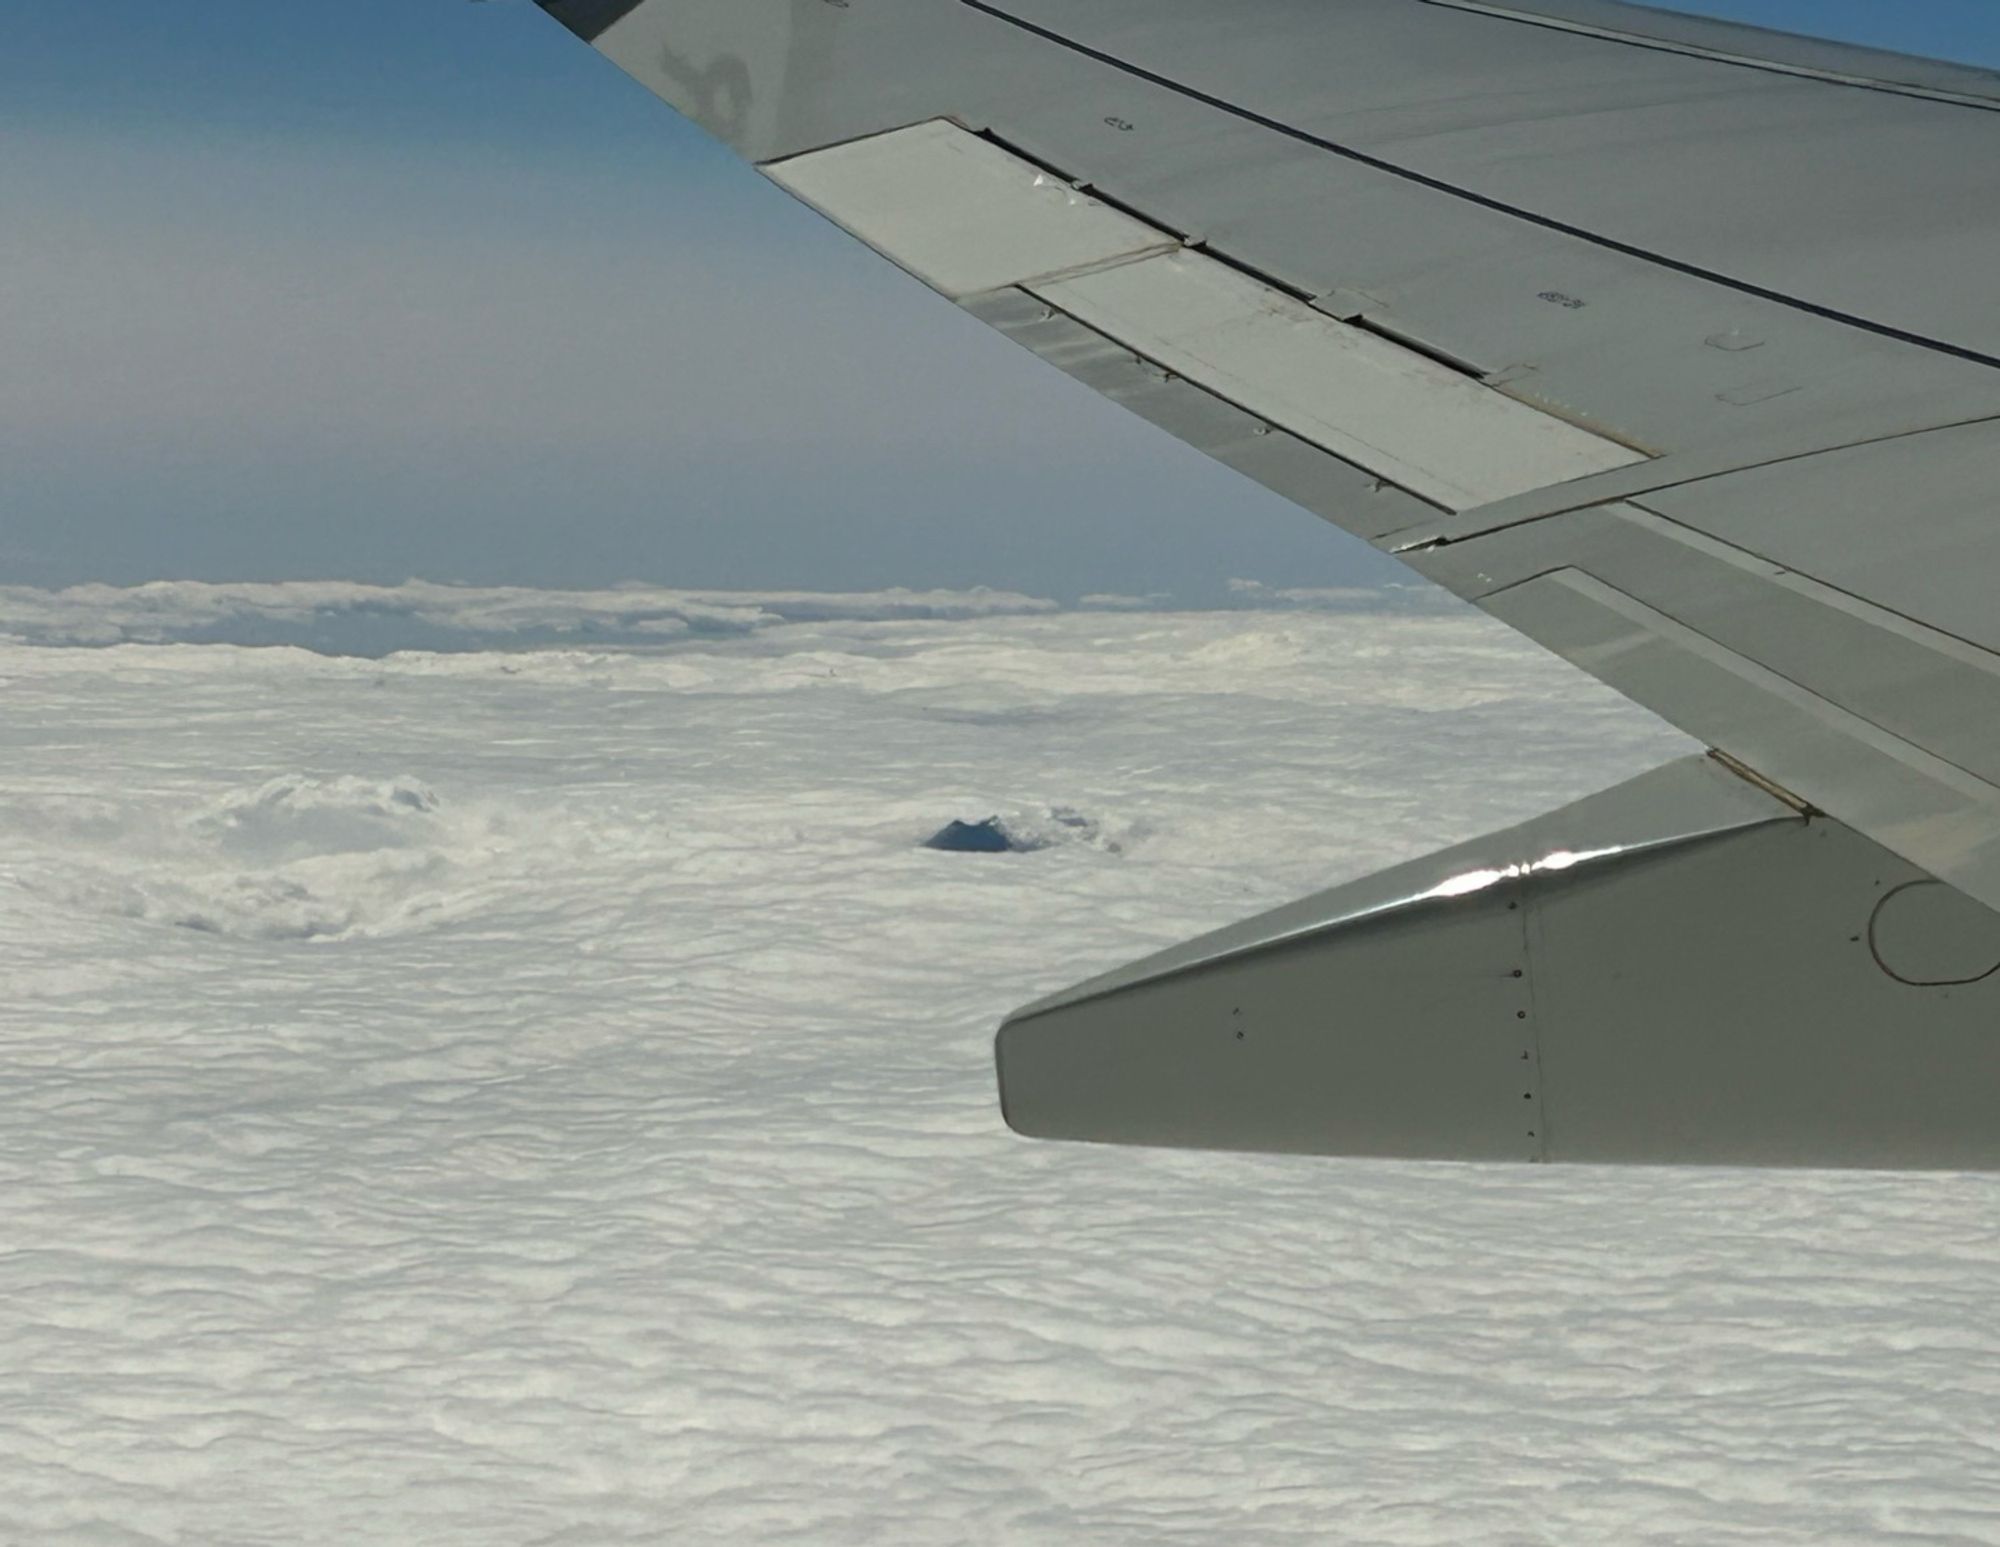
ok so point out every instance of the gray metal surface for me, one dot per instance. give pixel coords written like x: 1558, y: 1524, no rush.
x: 1397, y: 1037
x: 1759, y: 47
x: 1424, y: 425
x: 1930, y: 935
x: 1334, y: 490
x: 1913, y: 523
x: 1693, y: 798
x: 1890, y: 725
x: 1663, y: 359
x: 1703, y: 985
x: 1619, y: 141
x: 961, y: 213
x: 1724, y: 1006
x: 1392, y: 1016
x: 1758, y: 265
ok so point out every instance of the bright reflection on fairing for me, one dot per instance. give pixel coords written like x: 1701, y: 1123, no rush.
x: 1461, y: 885
x: 1478, y: 880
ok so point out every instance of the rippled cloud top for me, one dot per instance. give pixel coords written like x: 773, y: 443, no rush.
x: 544, y: 1096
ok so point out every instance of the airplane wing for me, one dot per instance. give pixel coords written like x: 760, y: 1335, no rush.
x: 1671, y: 343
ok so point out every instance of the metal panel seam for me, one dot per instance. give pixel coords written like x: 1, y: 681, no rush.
x: 1758, y: 676
x: 1861, y: 608
x: 1407, y: 542
x: 1201, y: 386
x: 1384, y: 915
x: 983, y: 218
x: 1719, y: 56
x: 1530, y: 1025
x: 1485, y: 201
x: 1915, y: 630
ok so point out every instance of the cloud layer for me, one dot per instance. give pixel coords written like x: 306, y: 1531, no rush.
x: 344, y: 617
x: 546, y: 1097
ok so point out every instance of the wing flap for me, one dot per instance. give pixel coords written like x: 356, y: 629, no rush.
x: 1330, y: 488
x: 961, y: 213
x: 1435, y: 431
x: 968, y: 216
x: 1917, y: 804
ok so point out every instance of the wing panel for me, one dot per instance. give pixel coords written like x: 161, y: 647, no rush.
x: 1880, y: 207
x: 1394, y: 1037
x: 1756, y: 48
x: 1926, y: 687
x: 1650, y: 354
x: 1933, y: 813
x: 1337, y: 491
x: 962, y: 214
x: 1806, y: 683
x: 967, y: 216
x: 1725, y: 1006
x: 1909, y: 523
x: 1422, y: 425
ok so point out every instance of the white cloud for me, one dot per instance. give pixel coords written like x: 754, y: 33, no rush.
x: 372, y: 618
x: 1409, y: 597
x: 542, y: 1097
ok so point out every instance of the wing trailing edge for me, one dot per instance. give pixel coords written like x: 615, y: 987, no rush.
x: 1683, y: 970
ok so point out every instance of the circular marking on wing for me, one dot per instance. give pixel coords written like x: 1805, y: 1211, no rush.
x: 1930, y: 935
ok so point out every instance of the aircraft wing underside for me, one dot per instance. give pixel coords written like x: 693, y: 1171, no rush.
x: 1668, y: 342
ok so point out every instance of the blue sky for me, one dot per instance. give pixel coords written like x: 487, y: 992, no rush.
x: 419, y: 287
